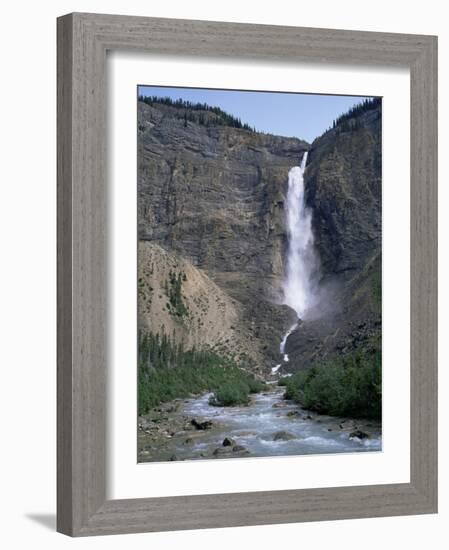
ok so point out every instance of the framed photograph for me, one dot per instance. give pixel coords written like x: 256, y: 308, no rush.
x: 247, y: 281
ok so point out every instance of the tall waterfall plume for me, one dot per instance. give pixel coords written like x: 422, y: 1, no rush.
x: 299, y: 285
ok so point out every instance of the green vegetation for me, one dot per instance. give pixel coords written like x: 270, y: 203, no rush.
x: 345, y: 386
x: 173, y: 290
x: 236, y: 392
x: 345, y: 120
x: 189, y: 112
x: 167, y: 371
x: 230, y: 394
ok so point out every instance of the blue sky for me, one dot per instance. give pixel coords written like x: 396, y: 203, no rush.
x: 305, y: 116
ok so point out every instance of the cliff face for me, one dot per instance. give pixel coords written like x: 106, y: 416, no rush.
x: 214, y: 196
x: 211, y: 201
x: 343, y: 189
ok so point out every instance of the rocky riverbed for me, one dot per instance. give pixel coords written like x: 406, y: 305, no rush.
x: 190, y: 429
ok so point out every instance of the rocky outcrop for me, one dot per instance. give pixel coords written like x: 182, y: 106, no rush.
x: 343, y: 188
x: 214, y: 195
x: 180, y: 300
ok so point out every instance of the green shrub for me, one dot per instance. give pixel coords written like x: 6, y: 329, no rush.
x: 231, y: 393
x: 236, y: 391
x: 345, y: 386
x: 173, y: 290
x: 254, y: 385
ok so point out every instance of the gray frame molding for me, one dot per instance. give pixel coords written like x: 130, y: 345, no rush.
x: 83, y: 40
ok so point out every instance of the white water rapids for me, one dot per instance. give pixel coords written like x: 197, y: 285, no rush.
x: 298, y: 288
x: 254, y: 427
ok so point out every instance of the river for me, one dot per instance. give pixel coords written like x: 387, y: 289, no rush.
x: 269, y: 426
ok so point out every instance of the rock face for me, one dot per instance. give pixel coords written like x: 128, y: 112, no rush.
x: 214, y: 195
x: 181, y: 300
x: 211, y: 205
x: 343, y: 189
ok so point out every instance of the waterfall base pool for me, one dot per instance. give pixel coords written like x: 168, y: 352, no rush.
x: 269, y: 426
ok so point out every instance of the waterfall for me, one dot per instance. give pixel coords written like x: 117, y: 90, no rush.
x: 284, y: 341
x: 301, y: 263
x: 298, y: 288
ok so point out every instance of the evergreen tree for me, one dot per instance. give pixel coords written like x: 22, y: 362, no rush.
x: 221, y: 119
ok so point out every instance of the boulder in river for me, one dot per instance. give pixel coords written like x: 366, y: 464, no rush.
x: 279, y: 405
x: 222, y: 451
x: 283, y: 436
x: 201, y: 424
x: 348, y: 424
x: 228, y: 442
x: 240, y: 449
x: 359, y: 434
x: 228, y: 450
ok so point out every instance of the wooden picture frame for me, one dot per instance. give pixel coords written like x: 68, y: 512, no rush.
x: 83, y: 40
